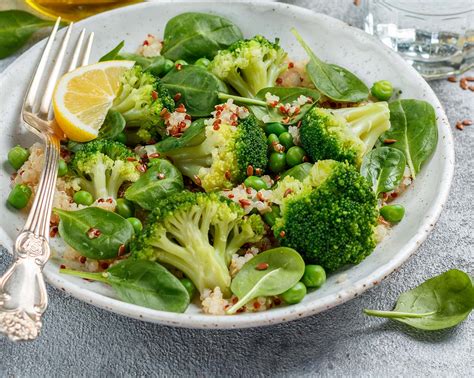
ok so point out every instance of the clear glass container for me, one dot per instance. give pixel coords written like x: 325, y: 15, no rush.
x: 435, y: 36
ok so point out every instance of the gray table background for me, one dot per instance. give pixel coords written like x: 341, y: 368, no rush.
x: 81, y: 340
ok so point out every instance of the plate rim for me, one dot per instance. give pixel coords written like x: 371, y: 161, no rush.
x: 282, y: 314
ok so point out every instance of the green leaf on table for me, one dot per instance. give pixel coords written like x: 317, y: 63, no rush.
x: 191, y: 36
x: 143, y: 283
x: 384, y: 168
x: 440, y: 302
x: 331, y: 80
x: 159, y: 181
x: 414, y: 127
x: 78, y: 229
x: 282, y: 268
x: 16, y: 27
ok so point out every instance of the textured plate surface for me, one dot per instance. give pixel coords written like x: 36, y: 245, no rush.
x: 331, y: 39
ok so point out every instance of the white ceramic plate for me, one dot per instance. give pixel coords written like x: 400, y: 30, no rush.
x: 334, y: 41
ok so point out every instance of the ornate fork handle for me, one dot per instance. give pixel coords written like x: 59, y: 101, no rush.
x: 23, y: 296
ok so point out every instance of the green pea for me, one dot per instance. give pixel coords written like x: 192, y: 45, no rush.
x: 125, y: 208
x: 121, y: 137
x: 392, y: 213
x: 83, y: 197
x: 382, y: 90
x: 314, y: 276
x: 277, y: 162
x: 136, y: 224
x: 62, y: 168
x: 286, y: 140
x: 189, y: 286
x: 272, y: 139
x: 274, y: 128
x: 17, y: 156
x: 294, y: 156
x: 168, y: 66
x: 294, y: 294
x: 180, y: 62
x: 203, y: 62
x: 19, y: 196
x: 255, y: 182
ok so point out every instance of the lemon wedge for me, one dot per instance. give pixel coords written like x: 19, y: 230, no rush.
x: 83, y: 97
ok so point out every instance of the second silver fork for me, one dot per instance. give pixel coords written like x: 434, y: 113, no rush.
x: 23, y: 296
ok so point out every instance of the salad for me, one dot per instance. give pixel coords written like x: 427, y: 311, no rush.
x: 214, y: 169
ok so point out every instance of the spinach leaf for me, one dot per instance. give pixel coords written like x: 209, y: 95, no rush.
x: 192, y: 136
x: 143, y: 283
x: 383, y: 167
x: 266, y: 113
x: 113, y: 125
x: 94, y: 232
x: 198, y: 87
x: 284, y: 268
x: 160, y: 180
x: 414, y: 127
x: 331, y: 80
x: 440, y: 302
x: 155, y: 65
x: 191, y: 36
x: 113, y: 54
x: 16, y: 27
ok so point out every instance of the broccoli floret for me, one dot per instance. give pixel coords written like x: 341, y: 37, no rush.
x: 343, y: 134
x: 198, y: 233
x: 140, y: 100
x: 250, y: 65
x: 223, y: 154
x: 103, y: 166
x: 329, y: 218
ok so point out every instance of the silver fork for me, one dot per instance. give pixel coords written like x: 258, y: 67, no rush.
x: 23, y: 296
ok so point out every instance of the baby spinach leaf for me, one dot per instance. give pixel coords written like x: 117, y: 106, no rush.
x: 287, y: 95
x: 16, y: 27
x: 94, y: 232
x: 155, y: 65
x: 114, y: 53
x: 269, y: 273
x: 198, y: 87
x: 266, y: 113
x: 143, y: 283
x: 192, y: 136
x: 383, y: 167
x: 160, y: 180
x: 191, y: 36
x: 414, y: 127
x: 331, y: 80
x: 113, y: 125
x: 440, y: 302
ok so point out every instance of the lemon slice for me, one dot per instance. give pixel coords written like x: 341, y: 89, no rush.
x: 83, y: 97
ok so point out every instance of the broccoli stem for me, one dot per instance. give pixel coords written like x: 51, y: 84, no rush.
x: 241, y: 100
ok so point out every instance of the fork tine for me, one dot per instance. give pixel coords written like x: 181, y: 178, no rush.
x: 53, y: 77
x: 33, y: 89
x: 87, y: 52
x: 77, y: 51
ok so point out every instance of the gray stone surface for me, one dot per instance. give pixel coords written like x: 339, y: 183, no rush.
x: 82, y: 340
